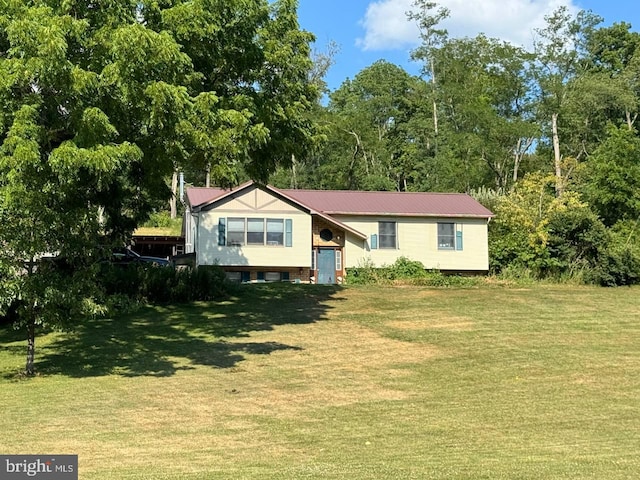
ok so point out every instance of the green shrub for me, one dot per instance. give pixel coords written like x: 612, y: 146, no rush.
x: 159, y: 220
x: 365, y: 273
x: 403, y: 268
x: 149, y: 283
x: 405, y: 271
x: 618, y: 262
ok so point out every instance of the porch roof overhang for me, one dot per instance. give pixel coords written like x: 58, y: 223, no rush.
x: 339, y: 224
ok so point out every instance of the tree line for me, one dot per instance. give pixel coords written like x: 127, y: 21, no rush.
x: 544, y: 136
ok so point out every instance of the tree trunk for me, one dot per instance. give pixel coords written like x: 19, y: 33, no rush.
x: 631, y: 121
x: 516, y: 162
x: 433, y: 92
x: 31, y: 347
x: 556, y: 155
x: 173, y: 202
x: 207, y: 181
x: 521, y: 151
x: 294, y: 173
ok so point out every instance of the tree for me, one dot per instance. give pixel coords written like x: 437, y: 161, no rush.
x: 374, y: 135
x: 612, y: 176
x: 428, y: 15
x: 101, y: 102
x: 487, y: 122
x: 612, y: 79
x: 559, y: 49
x: 545, y: 235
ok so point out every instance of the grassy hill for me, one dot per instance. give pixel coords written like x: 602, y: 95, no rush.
x: 300, y: 381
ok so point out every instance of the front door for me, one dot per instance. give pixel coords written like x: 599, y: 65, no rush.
x: 326, y: 266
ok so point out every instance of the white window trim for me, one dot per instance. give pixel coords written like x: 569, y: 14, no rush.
x: 457, y: 228
x: 395, y: 235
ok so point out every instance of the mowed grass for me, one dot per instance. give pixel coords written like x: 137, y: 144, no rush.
x: 312, y: 382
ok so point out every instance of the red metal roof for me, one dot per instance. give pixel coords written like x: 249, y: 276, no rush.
x: 348, y: 202
x: 199, y: 195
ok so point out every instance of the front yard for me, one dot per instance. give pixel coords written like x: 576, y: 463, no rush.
x: 298, y: 381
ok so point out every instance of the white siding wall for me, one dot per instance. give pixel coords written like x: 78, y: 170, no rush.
x: 417, y: 239
x: 190, y: 234
x: 254, y: 204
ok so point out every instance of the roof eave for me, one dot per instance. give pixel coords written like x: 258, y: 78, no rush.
x: 339, y: 224
x: 239, y: 188
x: 426, y: 215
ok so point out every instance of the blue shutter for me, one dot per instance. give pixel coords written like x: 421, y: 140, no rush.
x: 222, y: 231
x: 246, y: 276
x: 374, y: 241
x: 285, y: 276
x: 288, y: 232
x: 261, y: 276
x: 459, y: 240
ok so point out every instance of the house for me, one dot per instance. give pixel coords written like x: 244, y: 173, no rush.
x: 261, y: 233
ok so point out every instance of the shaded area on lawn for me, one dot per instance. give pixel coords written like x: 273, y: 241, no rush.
x: 161, y: 340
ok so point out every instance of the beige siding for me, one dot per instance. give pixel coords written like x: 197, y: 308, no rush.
x: 256, y: 201
x: 254, y: 204
x: 417, y: 239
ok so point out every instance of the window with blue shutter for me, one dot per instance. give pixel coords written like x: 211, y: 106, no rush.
x: 275, y: 231
x: 446, y: 236
x: 374, y: 241
x: 387, y: 235
x: 288, y: 232
x: 222, y: 231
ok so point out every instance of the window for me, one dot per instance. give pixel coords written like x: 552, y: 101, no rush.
x: 326, y: 234
x: 235, y: 231
x: 275, y: 231
x: 338, y: 260
x: 234, y: 276
x: 272, y: 276
x: 387, y: 235
x: 446, y: 236
x: 255, y: 231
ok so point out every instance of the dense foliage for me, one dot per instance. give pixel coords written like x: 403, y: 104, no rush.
x: 406, y: 272
x: 144, y: 282
x: 100, y: 102
x: 546, y: 138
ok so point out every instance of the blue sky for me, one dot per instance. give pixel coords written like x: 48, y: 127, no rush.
x: 369, y: 30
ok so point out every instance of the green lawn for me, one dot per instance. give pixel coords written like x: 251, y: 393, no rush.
x: 311, y: 382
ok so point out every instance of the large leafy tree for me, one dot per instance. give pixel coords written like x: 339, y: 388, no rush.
x: 377, y: 122
x: 613, y: 60
x: 612, y: 177
x: 560, y: 48
x: 487, y: 123
x: 101, y: 101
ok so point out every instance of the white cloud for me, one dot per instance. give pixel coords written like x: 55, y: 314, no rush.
x: 387, y: 28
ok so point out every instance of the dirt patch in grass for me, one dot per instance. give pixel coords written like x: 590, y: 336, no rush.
x: 340, y: 363
x: 451, y: 323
